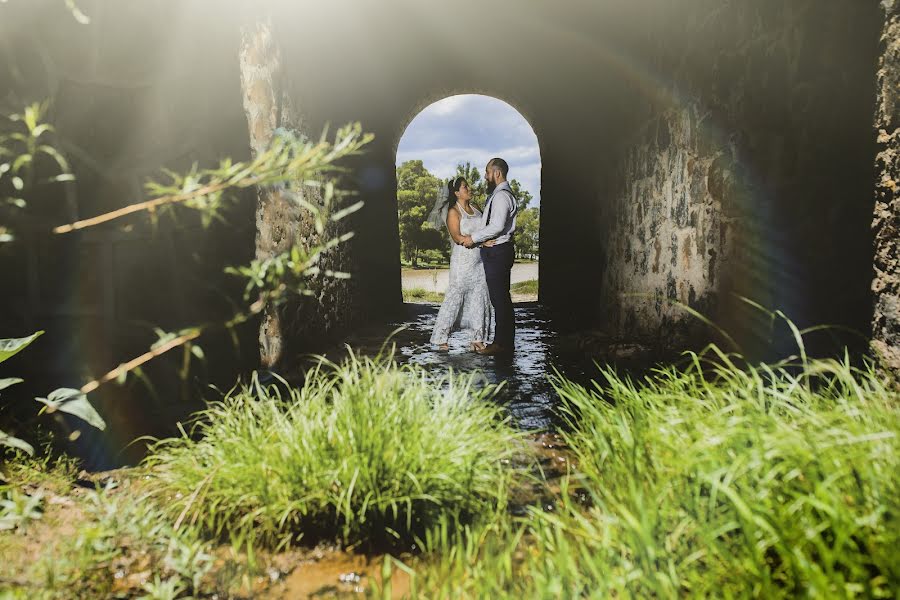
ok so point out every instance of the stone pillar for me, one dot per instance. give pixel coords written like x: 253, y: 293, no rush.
x: 886, y: 222
x: 277, y: 219
x: 298, y: 324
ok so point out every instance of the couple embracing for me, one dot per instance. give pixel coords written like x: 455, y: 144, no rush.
x: 481, y: 261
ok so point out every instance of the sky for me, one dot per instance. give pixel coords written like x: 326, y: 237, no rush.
x: 473, y: 128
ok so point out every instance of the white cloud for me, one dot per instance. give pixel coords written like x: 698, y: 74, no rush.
x: 447, y: 106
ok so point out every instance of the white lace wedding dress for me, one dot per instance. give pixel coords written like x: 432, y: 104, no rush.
x: 467, y: 304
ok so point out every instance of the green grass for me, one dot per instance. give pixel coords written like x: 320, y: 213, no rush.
x: 529, y: 287
x: 127, y: 535
x: 62, y: 541
x: 712, y: 481
x: 367, y: 451
x: 716, y: 479
x: 422, y: 295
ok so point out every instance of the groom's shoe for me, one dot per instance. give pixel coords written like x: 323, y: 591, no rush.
x: 494, y: 350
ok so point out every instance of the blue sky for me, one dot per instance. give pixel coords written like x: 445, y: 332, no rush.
x: 473, y: 128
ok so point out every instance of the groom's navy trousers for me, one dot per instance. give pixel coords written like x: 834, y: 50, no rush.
x: 498, y: 262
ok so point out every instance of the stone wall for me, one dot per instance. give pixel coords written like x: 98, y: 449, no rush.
x: 670, y: 237
x: 747, y: 176
x: 886, y: 223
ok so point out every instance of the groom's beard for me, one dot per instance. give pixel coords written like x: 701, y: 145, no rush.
x: 491, y: 186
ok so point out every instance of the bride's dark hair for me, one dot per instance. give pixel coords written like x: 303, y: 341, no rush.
x: 454, y: 184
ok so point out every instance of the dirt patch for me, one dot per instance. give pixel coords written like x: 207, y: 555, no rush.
x: 333, y: 573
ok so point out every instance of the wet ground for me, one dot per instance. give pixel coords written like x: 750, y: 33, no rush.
x: 527, y: 392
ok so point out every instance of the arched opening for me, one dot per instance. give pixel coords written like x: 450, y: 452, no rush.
x: 457, y: 136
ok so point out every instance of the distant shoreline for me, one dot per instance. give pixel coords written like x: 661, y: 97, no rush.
x: 436, y: 279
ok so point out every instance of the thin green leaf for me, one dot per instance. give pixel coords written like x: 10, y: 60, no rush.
x: 347, y: 211
x: 14, y: 442
x: 9, y: 381
x: 12, y: 346
x: 73, y: 402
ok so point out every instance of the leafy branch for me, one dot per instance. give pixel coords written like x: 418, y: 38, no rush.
x: 63, y: 400
x: 21, y: 150
x: 288, y: 159
x: 302, y: 171
x: 294, y: 165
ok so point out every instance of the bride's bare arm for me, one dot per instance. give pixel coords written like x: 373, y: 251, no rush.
x: 453, y: 225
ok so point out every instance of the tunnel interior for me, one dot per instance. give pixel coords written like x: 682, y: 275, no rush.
x: 694, y: 154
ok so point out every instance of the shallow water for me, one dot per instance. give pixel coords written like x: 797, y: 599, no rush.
x: 526, y: 393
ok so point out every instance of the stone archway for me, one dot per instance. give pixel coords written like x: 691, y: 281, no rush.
x: 468, y: 129
x: 716, y: 122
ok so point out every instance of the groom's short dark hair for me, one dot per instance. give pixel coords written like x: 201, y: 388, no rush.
x: 499, y: 163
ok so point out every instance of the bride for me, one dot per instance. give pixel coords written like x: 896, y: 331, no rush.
x: 467, y: 304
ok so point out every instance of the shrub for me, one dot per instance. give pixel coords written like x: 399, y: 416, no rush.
x: 763, y: 481
x: 365, y: 450
x: 529, y: 287
x: 778, y: 481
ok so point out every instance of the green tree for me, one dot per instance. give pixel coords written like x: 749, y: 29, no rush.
x: 473, y: 176
x: 523, y: 196
x: 479, y: 195
x: 416, y: 194
x: 527, y: 222
x: 527, y: 233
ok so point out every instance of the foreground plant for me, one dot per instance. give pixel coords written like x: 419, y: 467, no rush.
x: 62, y: 400
x: 364, y: 451
x: 718, y: 480
x: 121, y: 545
x: 60, y: 540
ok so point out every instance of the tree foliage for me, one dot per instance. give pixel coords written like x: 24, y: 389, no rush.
x: 523, y: 196
x: 417, y: 191
x: 528, y: 232
x: 473, y: 176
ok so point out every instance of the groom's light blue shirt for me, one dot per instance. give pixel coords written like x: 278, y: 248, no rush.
x: 501, y: 207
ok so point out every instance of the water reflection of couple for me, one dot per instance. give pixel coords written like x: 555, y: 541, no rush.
x: 480, y: 263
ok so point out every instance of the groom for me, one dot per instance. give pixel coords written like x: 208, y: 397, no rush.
x: 498, y: 224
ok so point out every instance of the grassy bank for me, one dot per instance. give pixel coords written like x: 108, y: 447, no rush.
x: 422, y: 295
x: 525, y: 288
x: 365, y: 452
x: 63, y: 539
x: 721, y: 479
x: 714, y: 481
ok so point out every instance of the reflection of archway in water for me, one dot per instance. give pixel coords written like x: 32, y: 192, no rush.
x: 464, y: 129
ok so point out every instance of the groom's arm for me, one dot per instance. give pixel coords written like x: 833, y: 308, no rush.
x: 499, y: 215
